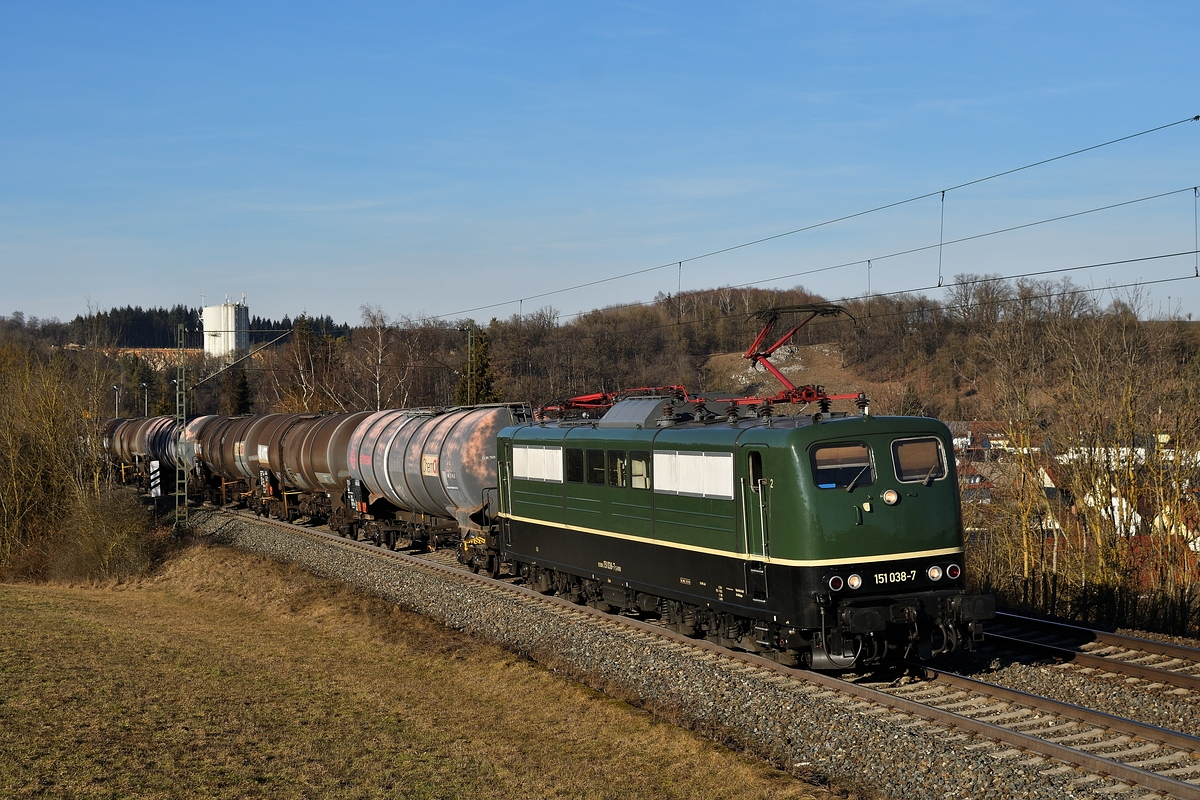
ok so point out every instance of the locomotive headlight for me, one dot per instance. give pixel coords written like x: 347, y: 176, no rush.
x: 953, y: 571
x: 854, y: 581
x: 836, y: 583
x: 891, y: 497
x: 934, y: 573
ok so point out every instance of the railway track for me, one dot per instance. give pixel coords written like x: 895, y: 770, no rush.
x: 1119, y: 757
x: 1132, y: 752
x: 1116, y: 653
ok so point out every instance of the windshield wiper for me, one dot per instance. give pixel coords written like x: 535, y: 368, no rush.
x: 850, y: 486
x: 929, y: 475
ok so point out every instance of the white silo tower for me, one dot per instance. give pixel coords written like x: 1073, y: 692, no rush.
x: 226, y: 328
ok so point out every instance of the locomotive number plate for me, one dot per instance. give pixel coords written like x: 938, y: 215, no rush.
x: 895, y: 577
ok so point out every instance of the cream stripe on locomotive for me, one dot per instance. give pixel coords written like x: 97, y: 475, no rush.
x: 787, y: 562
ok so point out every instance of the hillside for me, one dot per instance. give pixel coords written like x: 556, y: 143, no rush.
x: 817, y: 364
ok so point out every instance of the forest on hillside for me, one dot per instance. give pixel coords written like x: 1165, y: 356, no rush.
x: 137, y: 327
x: 1091, y: 502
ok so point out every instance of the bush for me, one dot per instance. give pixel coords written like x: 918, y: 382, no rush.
x: 59, y: 516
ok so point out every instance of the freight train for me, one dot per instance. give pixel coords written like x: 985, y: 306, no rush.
x: 831, y: 540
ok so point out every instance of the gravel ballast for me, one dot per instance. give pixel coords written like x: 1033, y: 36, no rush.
x: 1132, y: 698
x: 799, y: 725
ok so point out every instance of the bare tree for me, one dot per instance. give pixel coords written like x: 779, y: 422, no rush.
x: 372, y: 361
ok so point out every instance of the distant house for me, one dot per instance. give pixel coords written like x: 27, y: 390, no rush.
x: 981, y: 440
x: 1183, y: 522
x: 974, y: 486
x: 1052, y: 482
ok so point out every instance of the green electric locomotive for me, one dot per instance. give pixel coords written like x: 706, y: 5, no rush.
x: 829, y: 542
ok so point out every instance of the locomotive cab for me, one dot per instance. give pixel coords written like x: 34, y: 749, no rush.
x: 873, y: 532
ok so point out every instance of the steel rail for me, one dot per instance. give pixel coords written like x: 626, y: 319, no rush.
x: 1100, y: 719
x: 1093, y: 763
x: 1144, y: 671
x: 1181, y: 790
x: 1105, y: 637
x: 1089, y: 761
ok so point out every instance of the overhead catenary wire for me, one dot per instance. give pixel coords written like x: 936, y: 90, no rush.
x: 814, y: 226
x: 948, y: 307
x: 977, y: 280
x: 1063, y: 292
x: 1057, y: 293
x: 232, y: 364
x: 1055, y: 271
x: 973, y: 237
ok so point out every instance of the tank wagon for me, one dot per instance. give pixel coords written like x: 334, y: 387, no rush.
x: 416, y: 475
x: 428, y: 471
x: 135, y: 444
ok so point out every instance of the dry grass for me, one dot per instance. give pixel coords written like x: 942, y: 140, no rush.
x: 231, y: 676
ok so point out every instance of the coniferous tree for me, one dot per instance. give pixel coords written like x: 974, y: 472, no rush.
x: 235, y: 395
x: 476, y: 384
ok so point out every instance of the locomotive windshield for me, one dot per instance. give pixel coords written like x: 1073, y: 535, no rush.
x: 842, y: 465
x: 918, y: 460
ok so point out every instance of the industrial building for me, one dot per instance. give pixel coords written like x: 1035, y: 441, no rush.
x: 226, y: 328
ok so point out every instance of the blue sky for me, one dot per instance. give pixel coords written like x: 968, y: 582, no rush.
x: 462, y: 158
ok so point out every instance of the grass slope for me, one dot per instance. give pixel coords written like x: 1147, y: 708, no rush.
x: 231, y: 676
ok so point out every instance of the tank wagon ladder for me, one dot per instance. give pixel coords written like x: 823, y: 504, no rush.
x: 181, y: 470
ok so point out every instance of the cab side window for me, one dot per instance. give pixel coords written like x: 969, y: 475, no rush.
x: 574, y: 465
x: 755, y: 469
x: 639, y: 469
x: 618, y: 472
x: 595, y: 467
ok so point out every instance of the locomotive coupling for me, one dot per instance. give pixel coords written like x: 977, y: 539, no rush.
x: 862, y: 619
x: 973, y: 607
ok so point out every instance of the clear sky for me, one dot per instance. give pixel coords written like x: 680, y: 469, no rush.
x: 436, y: 158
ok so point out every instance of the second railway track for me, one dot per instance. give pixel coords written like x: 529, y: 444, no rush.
x: 969, y: 739
x: 1164, y: 760
x: 1147, y: 659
